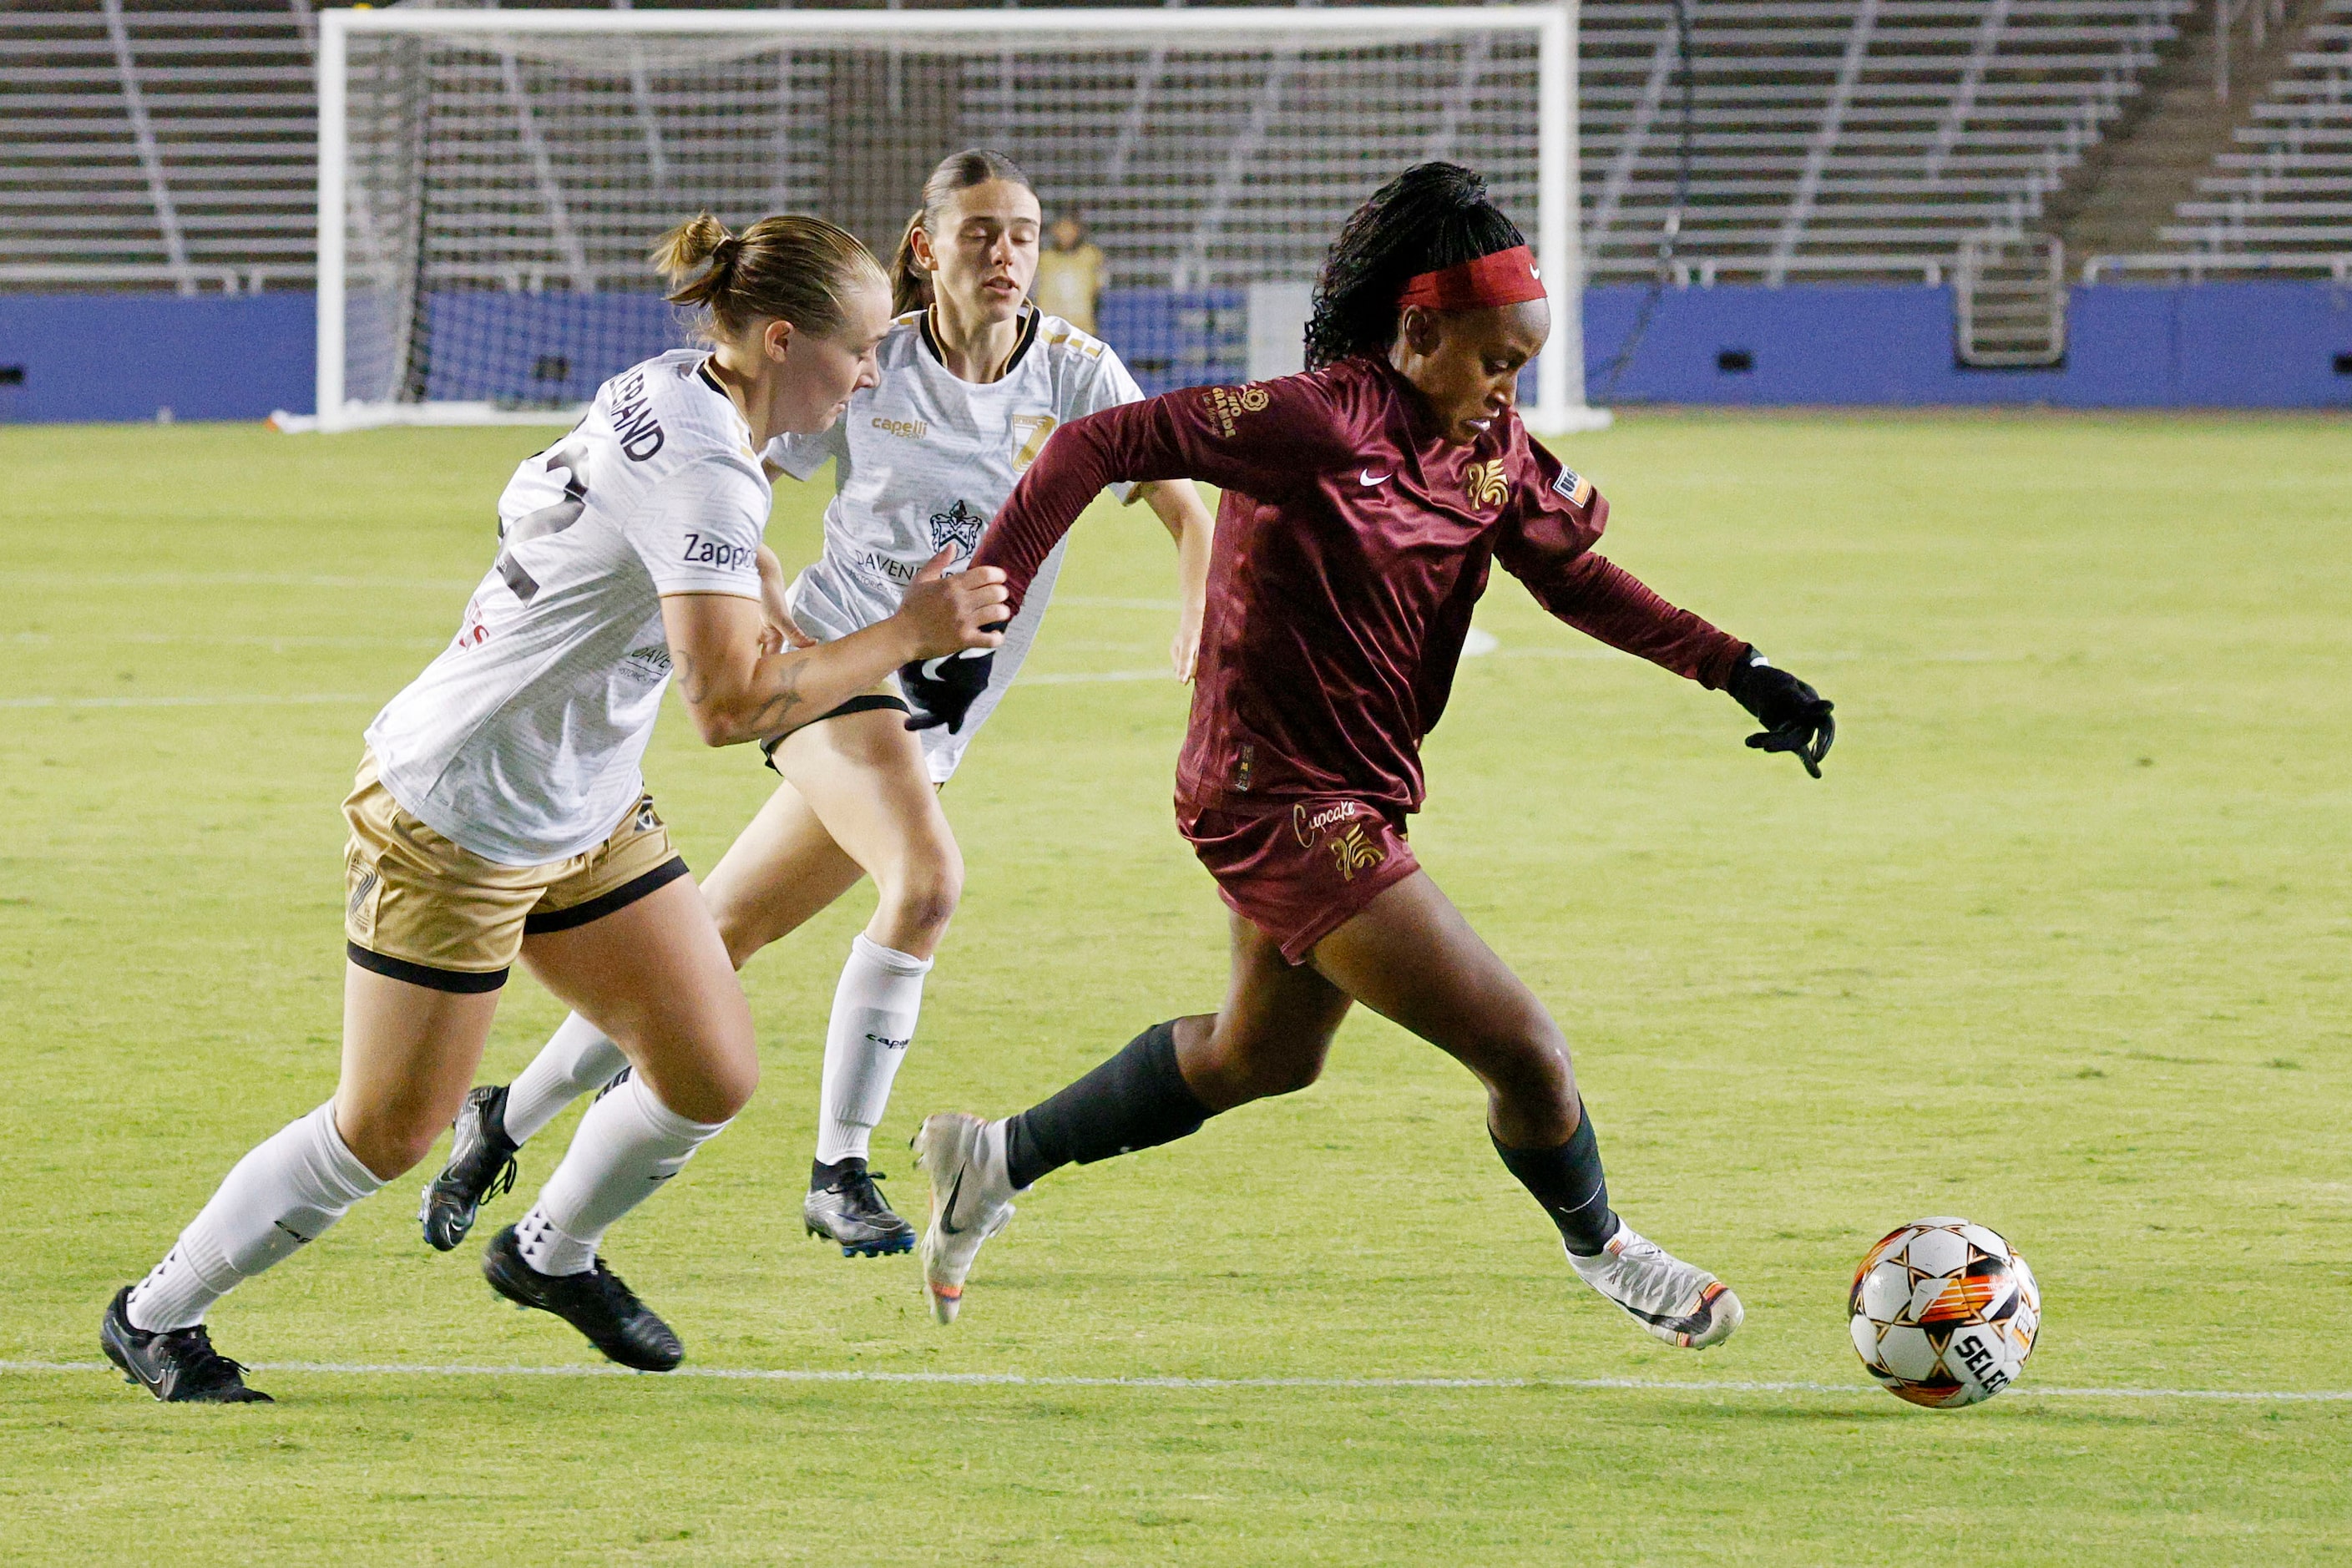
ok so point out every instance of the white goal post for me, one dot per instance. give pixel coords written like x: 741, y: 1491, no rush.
x: 490, y: 180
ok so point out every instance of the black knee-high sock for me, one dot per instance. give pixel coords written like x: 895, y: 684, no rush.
x: 1135, y: 1100
x: 1568, y: 1184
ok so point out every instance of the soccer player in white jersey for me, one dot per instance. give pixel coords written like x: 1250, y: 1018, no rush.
x: 499, y: 810
x: 973, y: 380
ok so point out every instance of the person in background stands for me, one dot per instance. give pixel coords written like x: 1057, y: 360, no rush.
x: 1070, y: 274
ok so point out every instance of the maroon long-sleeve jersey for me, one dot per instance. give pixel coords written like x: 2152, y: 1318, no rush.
x: 1351, y: 546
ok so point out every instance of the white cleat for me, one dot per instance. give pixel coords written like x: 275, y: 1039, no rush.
x: 972, y: 1200
x: 1682, y: 1305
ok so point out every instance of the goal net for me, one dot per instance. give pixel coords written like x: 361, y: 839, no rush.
x: 490, y: 181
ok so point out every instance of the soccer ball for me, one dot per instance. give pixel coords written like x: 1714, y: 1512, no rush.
x: 1945, y: 1312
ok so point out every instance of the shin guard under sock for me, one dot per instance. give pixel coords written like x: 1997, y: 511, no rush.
x: 1137, y: 1100
x: 579, y: 1058
x: 874, y: 1012
x: 285, y: 1192
x: 1568, y: 1183
x: 627, y: 1145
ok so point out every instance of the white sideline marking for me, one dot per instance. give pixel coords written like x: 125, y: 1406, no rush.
x: 224, y: 580
x: 196, y: 639
x: 229, y: 701
x: 1022, y: 1380
x: 1085, y: 677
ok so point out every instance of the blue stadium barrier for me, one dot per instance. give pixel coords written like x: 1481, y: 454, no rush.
x: 2206, y: 345
x: 126, y: 356
x: 117, y: 357
x: 1170, y: 339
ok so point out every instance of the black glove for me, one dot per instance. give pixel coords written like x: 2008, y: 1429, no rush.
x: 1795, y: 717
x: 942, y: 691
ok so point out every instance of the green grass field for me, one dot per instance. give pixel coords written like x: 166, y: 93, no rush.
x: 2060, y: 943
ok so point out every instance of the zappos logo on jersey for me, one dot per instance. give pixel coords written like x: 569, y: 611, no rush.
x: 719, y: 552
x: 958, y: 526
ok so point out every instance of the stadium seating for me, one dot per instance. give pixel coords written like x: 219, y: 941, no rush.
x: 2288, y: 196
x: 169, y: 143
x: 157, y: 143
x: 1846, y: 137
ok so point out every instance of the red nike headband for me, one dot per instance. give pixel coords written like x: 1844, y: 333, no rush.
x: 1505, y: 278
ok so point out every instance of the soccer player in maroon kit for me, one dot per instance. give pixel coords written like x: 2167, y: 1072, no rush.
x: 1363, y: 502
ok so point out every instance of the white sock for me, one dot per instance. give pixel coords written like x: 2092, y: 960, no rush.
x: 629, y: 1144
x: 578, y: 1057
x: 873, y: 1013
x: 286, y: 1192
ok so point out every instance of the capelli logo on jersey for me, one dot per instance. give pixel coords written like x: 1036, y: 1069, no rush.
x: 1485, y: 483
x: 905, y: 429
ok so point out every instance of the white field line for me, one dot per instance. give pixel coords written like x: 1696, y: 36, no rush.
x: 194, y: 639
x: 232, y: 700
x: 1211, y: 1384
x: 1090, y: 676
x: 225, y: 580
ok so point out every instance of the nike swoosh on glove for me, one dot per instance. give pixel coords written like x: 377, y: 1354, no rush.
x: 942, y: 691
x: 1795, y: 717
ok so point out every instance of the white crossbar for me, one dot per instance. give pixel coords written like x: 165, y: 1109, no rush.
x: 902, y: 29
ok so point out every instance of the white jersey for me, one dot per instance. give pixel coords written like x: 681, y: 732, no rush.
x: 522, y: 741
x: 923, y: 459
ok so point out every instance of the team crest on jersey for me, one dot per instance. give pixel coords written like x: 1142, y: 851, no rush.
x: 1353, y: 852
x: 1339, y: 827
x: 958, y: 526
x: 1485, y: 482
x: 1030, y: 430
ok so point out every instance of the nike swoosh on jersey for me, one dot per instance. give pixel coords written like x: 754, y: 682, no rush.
x: 1369, y: 477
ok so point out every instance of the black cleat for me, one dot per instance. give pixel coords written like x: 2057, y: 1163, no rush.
x: 845, y: 1205
x: 178, y: 1366
x: 596, y: 1303
x: 481, y: 1166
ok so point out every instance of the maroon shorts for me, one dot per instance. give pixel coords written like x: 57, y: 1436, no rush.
x: 1300, y: 873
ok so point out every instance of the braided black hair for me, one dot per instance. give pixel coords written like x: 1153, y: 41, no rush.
x: 1430, y: 216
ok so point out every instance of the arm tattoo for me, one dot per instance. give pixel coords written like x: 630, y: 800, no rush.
x: 690, y: 684
x: 771, y: 717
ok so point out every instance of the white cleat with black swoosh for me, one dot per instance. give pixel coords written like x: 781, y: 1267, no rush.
x: 1680, y: 1304
x: 972, y: 1200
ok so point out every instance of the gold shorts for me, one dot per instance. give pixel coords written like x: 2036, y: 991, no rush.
x: 422, y: 909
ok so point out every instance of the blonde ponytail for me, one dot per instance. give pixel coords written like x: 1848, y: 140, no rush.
x: 910, y: 285
x: 791, y: 269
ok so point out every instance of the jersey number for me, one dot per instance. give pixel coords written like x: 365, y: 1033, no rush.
x: 571, y: 460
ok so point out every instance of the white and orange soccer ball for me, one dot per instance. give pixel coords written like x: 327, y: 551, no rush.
x: 1945, y: 1312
